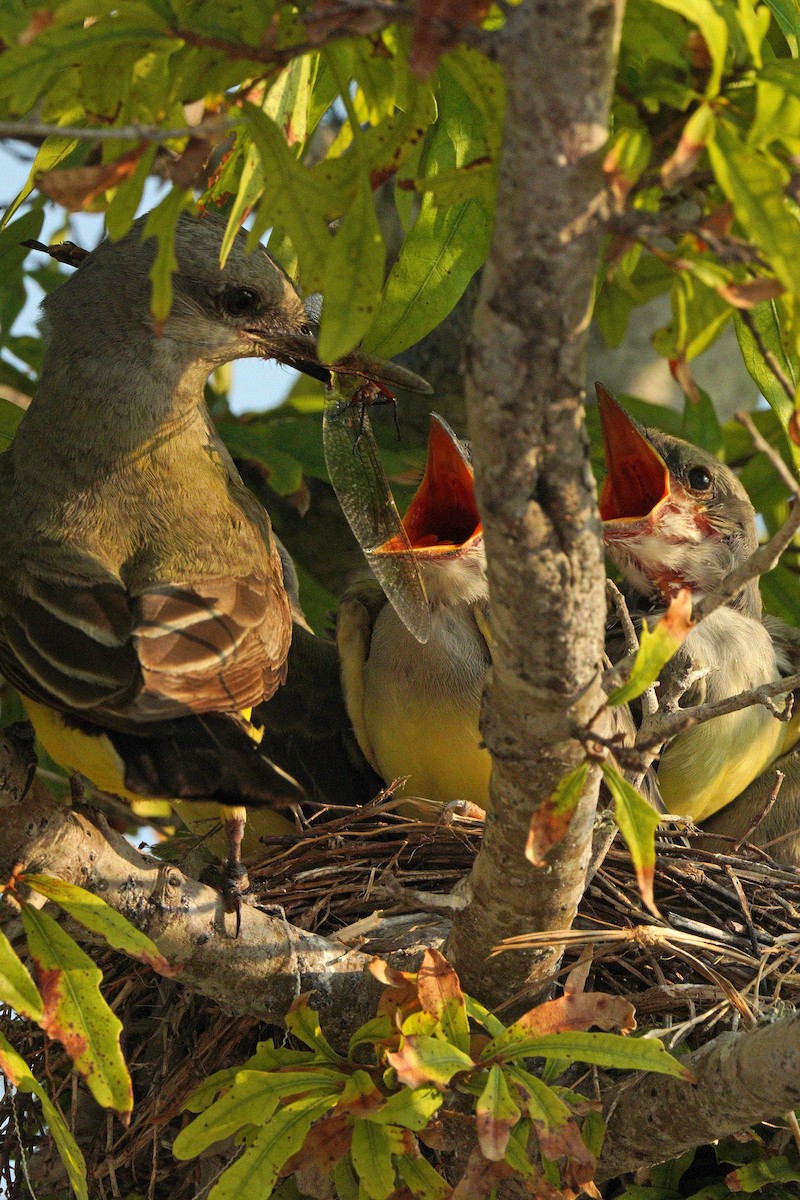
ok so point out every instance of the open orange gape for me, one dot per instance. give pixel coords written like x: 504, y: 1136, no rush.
x: 442, y: 519
x: 638, y: 481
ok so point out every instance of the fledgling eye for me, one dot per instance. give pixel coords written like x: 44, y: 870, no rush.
x: 699, y: 479
x: 239, y: 301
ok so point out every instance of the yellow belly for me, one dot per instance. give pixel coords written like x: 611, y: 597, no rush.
x: 710, y: 765
x: 94, y: 756
x: 438, y: 748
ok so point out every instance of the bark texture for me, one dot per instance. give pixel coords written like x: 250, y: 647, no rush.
x: 742, y: 1078
x: 537, y: 496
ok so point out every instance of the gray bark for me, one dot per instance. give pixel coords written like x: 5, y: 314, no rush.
x: 537, y: 496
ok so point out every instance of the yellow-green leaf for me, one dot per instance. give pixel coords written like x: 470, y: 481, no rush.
x: 93, y: 913
x: 754, y: 182
x: 638, y: 823
x: 714, y: 30
x: 422, y: 1059
x: 253, y: 1176
x: 496, y: 1115
x: 303, y: 1022
x: 411, y: 1107
x: 17, y: 989
x: 371, y: 1153
x: 602, y: 1049
x: 423, y: 1180
x: 551, y: 819
x: 75, y: 1012
x: 656, y: 648
x: 353, y: 277
x: 161, y: 224
x: 251, y: 1099
x: 19, y: 1075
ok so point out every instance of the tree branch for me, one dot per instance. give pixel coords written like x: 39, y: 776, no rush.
x: 534, y: 485
x: 741, y: 1079
x: 257, y: 974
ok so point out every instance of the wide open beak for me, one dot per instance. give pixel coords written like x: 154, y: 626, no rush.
x: 299, y: 350
x: 638, y: 481
x: 442, y: 520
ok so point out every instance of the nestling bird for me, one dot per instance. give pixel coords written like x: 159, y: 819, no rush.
x: 142, y: 605
x: 674, y: 517
x: 415, y: 708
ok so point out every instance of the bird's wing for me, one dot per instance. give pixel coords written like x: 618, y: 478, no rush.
x: 358, y: 613
x: 307, y: 729
x: 78, y: 640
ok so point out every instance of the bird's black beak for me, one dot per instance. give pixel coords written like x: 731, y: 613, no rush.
x: 638, y: 480
x: 299, y: 350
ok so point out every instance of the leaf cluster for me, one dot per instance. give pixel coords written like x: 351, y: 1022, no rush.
x: 66, y: 1002
x: 373, y: 1117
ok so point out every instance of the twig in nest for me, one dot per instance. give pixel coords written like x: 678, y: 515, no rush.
x: 761, y: 814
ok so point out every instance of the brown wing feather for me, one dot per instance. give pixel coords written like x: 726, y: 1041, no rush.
x: 169, y: 650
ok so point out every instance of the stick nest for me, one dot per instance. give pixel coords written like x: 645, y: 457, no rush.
x: 723, y: 954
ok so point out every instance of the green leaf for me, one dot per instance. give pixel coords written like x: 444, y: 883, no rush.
x: 12, y: 256
x: 543, y: 1103
x: 602, y: 1049
x: 17, y: 989
x: 353, y: 277
x: 411, y: 1107
x: 93, y: 913
x: 292, y: 199
x: 446, y: 246
x: 252, y: 1099
x: 303, y: 1023
x: 787, y: 14
x: 379, y: 1029
x: 496, y: 1115
x: 345, y: 1181
x: 638, y: 823
x: 477, y: 1012
x: 161, y: 224
x: 714, y: 30
x: 10, y: 417
x: 766, y: 320
x: 19, y: 1075
x: 701, y: 425
x: 754, y: 182
x: 752, y: 1176
x: 656, y: 648
x: 126, y: 199
x: 371, y: 1153
x: 266, y: 1058
x: 253, y: 1176
x: 75, y: 1012
x: 423, y: 1180
x: 424, y: 1059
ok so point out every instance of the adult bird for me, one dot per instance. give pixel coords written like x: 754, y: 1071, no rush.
x: 415, y: 708
x: 142, y: 605
x: 675, y: 517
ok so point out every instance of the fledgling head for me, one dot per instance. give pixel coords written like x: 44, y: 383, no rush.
x: 673, y: 516
x: 443, y: 524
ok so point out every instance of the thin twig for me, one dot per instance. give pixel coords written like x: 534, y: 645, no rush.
x: 761, y: 814
x: 772, y: 454
x: 667, y: 725
x: 32, y: 130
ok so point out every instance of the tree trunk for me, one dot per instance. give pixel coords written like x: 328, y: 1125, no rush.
x: 534, y: 483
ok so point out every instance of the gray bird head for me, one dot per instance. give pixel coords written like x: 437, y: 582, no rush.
x: 673, y: 516
x: 247, y: 309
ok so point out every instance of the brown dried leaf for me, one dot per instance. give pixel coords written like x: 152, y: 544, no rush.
x: 325, y: 1143
x: 437, y: 24
x: 74, y: 188
x: 565, y: 1140
x: 751, y: 293
x: 580, y: 1011
x: 479, y: 1177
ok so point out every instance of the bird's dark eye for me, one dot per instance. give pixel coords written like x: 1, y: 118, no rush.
x: 240, y: 301
x: 699, y: 479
